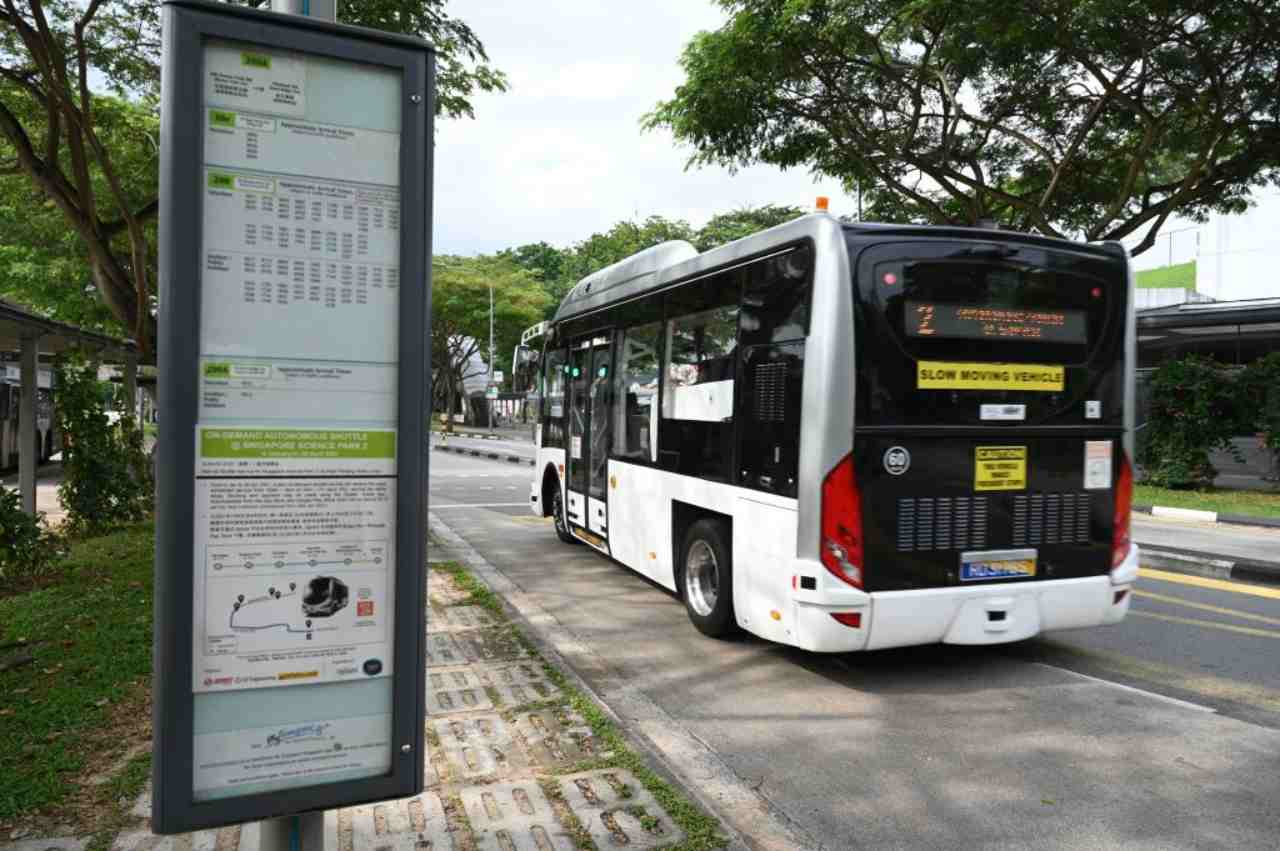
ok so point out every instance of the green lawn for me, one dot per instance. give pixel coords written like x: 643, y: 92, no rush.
x: 1180, y: 275
x: 90, y: 634
x: 1257, y: 503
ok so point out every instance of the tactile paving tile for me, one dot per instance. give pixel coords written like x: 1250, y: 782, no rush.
x: 409, y: 824
x: 611, y: 804
x: 460, y: 689
x: 514, y: 817
x: 552, y: 742
x: 478, y: 747
x: 459, y: 618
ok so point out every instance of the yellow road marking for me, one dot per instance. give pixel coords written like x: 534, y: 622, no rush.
x: 1225, y: 627
x: 1178, y: 601
x: 1206, y: 582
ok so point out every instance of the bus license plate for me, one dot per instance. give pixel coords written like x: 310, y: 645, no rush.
x: 997, y: 564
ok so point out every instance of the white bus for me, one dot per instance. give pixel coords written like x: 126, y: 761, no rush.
x: 852, y: 437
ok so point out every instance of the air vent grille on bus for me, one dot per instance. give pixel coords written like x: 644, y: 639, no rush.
x: 771, y: 392
x: 942, y: 523
x: 1050, y: 518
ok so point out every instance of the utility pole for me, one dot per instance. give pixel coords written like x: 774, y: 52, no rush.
x: 487, y: 399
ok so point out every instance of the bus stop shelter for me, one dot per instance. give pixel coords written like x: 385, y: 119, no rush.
x: 29, y: 335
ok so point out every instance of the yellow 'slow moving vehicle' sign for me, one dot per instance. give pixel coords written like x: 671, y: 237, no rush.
x: 1000, y: 468
x: 939, y: 375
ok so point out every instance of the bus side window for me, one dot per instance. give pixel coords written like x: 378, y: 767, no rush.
x: 636, y: 391
x: 553, y: 411
x: 4, y: 404
x: 698, y: 380
x: 775, y: 320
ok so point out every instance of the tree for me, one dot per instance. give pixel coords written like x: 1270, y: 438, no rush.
x: 55, y: 53
x: 460, y: 289
x: 1097, y: 119
x: 42, y: 262
x: 724, y: 228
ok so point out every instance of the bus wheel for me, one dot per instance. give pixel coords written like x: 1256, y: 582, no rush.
x: 562, y: 525
x: 707, y: 579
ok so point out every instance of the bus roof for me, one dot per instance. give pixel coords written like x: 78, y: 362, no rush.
x: 662, y: 264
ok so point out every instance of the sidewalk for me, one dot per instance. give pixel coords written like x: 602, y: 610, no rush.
x: 1247, y: 553
x: 518, y: 759
x: 48, y: 477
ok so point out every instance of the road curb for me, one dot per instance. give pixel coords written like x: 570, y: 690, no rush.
x: 476, y: 453
x: 1210, y: 565
x: 1208, y: 516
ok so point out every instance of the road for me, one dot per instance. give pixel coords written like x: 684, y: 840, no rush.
x: 1162, y: 732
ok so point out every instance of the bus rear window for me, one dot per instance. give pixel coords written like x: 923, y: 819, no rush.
x: 992, y: 302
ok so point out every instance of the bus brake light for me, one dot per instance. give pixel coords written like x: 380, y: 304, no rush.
x: 841, y: 544
x: 1120, y: 537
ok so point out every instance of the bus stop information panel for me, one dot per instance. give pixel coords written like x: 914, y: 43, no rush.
x: 294, y: 246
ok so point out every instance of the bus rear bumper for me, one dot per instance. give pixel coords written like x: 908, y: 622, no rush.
x: 985, y: 614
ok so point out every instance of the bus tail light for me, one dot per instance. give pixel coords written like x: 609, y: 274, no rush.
x: 841, y: 545
x: 1120, y: 538
x: 853, y: 620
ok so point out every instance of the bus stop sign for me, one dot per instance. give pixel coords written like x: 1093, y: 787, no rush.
x: 294, y: 300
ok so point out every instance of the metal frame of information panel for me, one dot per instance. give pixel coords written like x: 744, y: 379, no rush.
x: 187, y: 25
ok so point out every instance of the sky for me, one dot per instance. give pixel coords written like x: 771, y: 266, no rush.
x: 561, y: 155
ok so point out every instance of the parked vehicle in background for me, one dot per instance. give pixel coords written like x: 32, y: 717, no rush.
x: 852, y: 437
x: 46, y: 440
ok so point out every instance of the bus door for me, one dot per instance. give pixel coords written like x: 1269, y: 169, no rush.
x: 579, y: 412
x: 601, y: 395
x: 587, y: 458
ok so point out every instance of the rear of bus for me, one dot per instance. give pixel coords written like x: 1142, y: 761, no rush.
x: 987, y: 497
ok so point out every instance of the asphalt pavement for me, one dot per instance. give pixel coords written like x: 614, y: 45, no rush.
x: 1161, y: 732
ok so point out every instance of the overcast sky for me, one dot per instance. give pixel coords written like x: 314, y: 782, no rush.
x: 561, y: 155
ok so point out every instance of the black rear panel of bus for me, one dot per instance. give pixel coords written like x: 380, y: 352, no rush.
x: 989, y: 406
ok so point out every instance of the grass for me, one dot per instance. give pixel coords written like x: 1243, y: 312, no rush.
x: 702, y: 832
x: 1254, y: 503
x: 90, y: 635
x: 1180, y: 275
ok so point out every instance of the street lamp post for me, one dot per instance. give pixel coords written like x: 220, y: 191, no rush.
x: 487, y: 399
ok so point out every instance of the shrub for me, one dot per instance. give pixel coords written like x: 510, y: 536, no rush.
x: 1260, y: 395
x: 106, y: 477
x: 1195, y: 409
x: 26, y: 549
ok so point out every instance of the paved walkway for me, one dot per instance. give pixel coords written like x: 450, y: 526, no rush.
x: 502, y: 749
x: 48, y: 477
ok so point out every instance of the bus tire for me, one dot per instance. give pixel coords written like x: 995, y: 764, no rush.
x: 706, y: 578
x: 558, y: 516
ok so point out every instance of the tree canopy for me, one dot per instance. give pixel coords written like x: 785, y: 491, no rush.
x: 1095, y: 119
x: 79, y: 83
x: 460, y: 315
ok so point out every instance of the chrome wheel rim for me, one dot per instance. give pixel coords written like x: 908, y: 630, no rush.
x: 701, y: 578
x: 557, y: 509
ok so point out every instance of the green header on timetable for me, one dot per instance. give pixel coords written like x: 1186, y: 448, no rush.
x: 248, y: 443
x: 255, y: 60
x: 222, y: 118
x: 218, y: 180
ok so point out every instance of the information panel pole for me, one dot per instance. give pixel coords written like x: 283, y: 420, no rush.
x: 294, y: 306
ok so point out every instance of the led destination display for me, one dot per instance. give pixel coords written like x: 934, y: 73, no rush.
x: 980, y: 322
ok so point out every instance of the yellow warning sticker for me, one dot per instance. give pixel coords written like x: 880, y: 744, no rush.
x: 1000, y: 468
x: 939, y: 375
